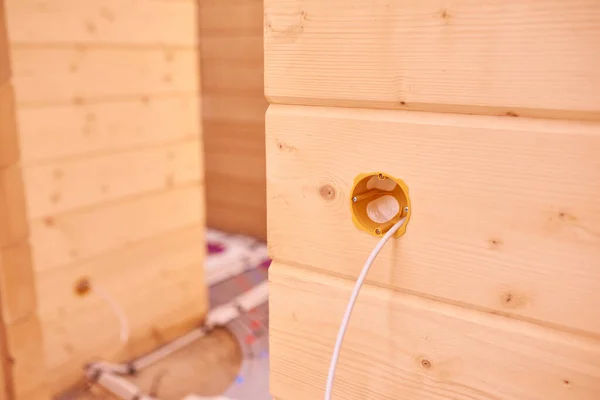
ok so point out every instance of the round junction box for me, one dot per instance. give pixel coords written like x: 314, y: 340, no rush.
x: 379, y: 200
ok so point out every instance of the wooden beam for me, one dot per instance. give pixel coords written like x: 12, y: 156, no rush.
x: 111, y: 22
x: 410, y: 348
x: 529, y: 58
x: 505, y: 207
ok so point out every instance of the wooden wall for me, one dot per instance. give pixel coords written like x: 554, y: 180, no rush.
x: 490, y: 113
x: 22, y: 367
x: 234, y: 115
x: 107, y: 107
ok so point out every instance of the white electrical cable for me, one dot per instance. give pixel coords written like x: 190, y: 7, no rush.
x: 118, y: 310
x: 353, y: 297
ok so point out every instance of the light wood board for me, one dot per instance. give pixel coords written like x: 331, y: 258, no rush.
x: 79, y: 74
x: 505, y: 214
x: 108, y: 105
x: 90, y: 180
x: 233, y: 115
x: 112, y: 22
x: 400, y: 346
x: 104, y: 128
x: 22, y: 366
x: 514, y: 57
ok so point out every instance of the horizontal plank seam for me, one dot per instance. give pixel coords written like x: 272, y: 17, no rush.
x: 236, y: 206
x: 460, y: 109
x: 83, y: 101
x: 46, y: 161
x: 233, y: 33
x: 143, y: 291
x: 533, y: 321
x: 122, y: 247
x: 196, y: 183
x: 93, y: 45
x: 449, y: 119
x: 232, y: 91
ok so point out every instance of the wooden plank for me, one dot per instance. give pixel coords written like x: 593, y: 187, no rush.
x: 237, y: 204
x: 17, y: 283
x: 168, y: 266
x: 235, y: 177
x: 72, y: 184
x: 78, y: 74
x: 245, y: 165
x: 531, y: 58
x: 4, y: 49
x: 76, y: 236
x: 106, y: 127
x: 13, y: 214
x: 400, y: 346
x: 220, y: 135
x: 232, y: 49
x: 138, y: 22
x: 505, y: 214
x: 233, y: 115
x: 233, y: 108
x: 9, y: 148
x: 28, y: 363
x: 248, y: 194
x: 123, y: 273
x: 8, y: 155
x: 231, y: 18
x: 229, y: 215
x: 243, y: 78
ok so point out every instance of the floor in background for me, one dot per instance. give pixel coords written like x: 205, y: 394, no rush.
x: 232, y: 361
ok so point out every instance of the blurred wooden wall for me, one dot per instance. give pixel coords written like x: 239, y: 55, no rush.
x: 108, y: 112
x: 234, y: 114
x: 22, y: 368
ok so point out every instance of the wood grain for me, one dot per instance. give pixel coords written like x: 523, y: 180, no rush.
x: 14, y: 227
x: 169, y: 267
x: 504, y: 217
x: 9, y: 149
x: 106, y: 127
x: 71, y: 184
x: 22, y: 364
x: 29, y: 373
x: 231, y: 79
x: 5, y: 70
x: 234, y: 18
x: 112, y: 22
x: 233, y: 115
x: 110, y: 142
x: 75, y: 75
x: 400, y: 346
x: 233, y: 108
x: 8, y: 156
x: 533, y: 58
x: 17, y: 283
x: 79, y: 235
x: 229, y: 49
x: 124, y: 273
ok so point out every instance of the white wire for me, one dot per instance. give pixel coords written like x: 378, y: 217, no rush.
x: 353, y: 297
x: 118, y: 310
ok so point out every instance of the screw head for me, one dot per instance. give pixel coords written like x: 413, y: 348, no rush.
x: 406, y: 209
x: 354, y: 199
x: 378, y: 231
